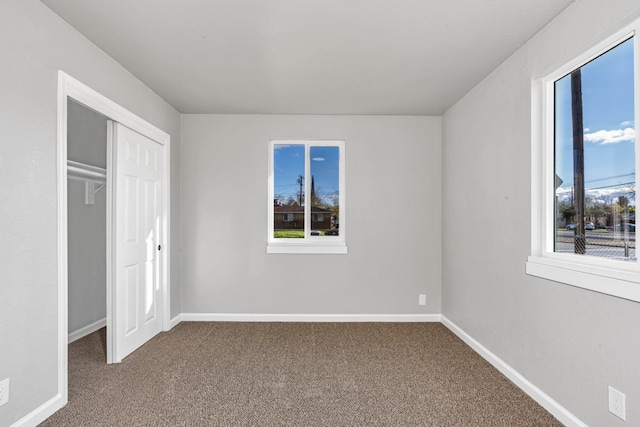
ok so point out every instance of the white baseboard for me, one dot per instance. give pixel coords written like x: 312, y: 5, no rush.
x: 557, y: 410
x: 563, y: 415
x: 83, y: 332
x: 174, y: 322
x: 44, y: 411
x: 246, y: 317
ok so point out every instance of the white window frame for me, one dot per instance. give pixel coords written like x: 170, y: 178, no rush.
x: 310, y: 244
x: 612, y: 277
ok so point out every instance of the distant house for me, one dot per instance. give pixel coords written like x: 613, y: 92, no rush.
x: 291, y: 217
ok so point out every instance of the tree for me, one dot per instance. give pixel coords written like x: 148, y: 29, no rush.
x: 315, y: 199
x: 623, y: 202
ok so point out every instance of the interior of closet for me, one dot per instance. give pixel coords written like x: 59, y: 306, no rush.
x: 87, y: 220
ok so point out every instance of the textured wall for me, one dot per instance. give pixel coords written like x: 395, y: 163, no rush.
x: 35, y: 44
x: 392, y: 177
x: 571, y: 343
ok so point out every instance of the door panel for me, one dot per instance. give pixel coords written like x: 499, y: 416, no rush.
x: 138, y: 202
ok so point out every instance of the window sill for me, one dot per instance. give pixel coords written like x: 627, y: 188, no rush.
x: 306, y: 248
x: 622, y: 283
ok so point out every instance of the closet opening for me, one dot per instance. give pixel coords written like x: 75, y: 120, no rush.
x: 87, y: 221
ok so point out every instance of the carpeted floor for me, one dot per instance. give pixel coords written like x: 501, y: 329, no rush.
x: 294, y: 374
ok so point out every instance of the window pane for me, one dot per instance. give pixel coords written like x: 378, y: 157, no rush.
x: 325, y: 191
x: 288, y: 181
x: 595, y: 178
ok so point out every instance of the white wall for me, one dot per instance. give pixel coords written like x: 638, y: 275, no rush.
x: 393, y: 202
x: 571, y: 343
x: 34, y: 44
x: 87, y: 291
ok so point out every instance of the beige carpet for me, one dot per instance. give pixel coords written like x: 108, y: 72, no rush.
x: 293, y: 374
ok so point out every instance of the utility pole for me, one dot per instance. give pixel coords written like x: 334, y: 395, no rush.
x: 578, y: 160
x: 300, y: 181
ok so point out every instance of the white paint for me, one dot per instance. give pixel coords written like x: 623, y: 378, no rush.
x: 250, y: 317
x: 138, y: 233
x: 569, y: 342
x: 557, y: 410
x: 117, y: 346
x: 612, y: 277
x: 309, y: 244
x: 393, y: 175
x: 4, y: 391
x: 617, y: 404
x: 86, y: 330
x: 93, y: 178
x: 36, y: 44
x: 319, y: 57
x: 174, y: 322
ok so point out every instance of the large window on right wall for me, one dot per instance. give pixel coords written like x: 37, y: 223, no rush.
x: 594, y: 157
x: 584, y: 170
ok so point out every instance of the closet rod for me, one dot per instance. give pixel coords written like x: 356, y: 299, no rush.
x: 94, y: 179
x: 84, y: 171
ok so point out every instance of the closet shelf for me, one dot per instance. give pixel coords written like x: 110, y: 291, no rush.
x: 94, y: 178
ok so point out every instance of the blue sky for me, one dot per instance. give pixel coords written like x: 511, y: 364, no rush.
x: 289, y: 164
x: 608, y: 120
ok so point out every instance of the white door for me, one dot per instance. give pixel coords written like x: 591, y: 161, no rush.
x: 136, y: 291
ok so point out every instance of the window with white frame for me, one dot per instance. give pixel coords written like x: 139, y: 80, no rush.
x: 584, y: 170
x: 307, y: 187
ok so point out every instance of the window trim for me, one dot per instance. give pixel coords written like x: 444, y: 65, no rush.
x: 309, y: 244
x: 611, y: 277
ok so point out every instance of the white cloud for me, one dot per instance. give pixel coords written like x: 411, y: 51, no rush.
x: 587, y: 129
x: 318, y: 159
x: 626, y: 123
x: 611, y: 136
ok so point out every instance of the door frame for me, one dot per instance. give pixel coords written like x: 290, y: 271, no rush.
x: 70, y: 88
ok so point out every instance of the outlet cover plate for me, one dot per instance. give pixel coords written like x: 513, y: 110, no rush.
x: 617, y: 403
x: 422, y: 299
x: 4, y: 391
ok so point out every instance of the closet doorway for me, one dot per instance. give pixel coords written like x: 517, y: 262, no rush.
x: 87, y: 220
x: 113, y: 224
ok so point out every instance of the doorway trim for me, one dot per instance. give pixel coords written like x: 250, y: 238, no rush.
x: 68, y: 87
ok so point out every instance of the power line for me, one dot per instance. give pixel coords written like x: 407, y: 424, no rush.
x: 569, y: 185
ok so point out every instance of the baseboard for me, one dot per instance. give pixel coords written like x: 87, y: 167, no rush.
x: 83, y: 332
x: 553, y: 407
x: 246, y: 317
x: 563, y: 415
x: 174, y: 322
x: 44, y: 411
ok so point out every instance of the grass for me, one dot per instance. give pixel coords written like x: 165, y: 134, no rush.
x: 597, y: 230
x: 288, y: 234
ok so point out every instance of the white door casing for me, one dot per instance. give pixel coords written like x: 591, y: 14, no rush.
x: 137, y: 222
x: 71, y: 88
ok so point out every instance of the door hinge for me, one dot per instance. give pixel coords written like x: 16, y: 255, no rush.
x: 159, y: 247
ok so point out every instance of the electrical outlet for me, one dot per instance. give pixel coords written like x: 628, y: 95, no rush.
x: 422, y: 299
x: 617, y: 403
x: 4, y: 391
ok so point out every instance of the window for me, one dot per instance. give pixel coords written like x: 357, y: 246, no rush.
x: 584, y: 171
x: 307, y: 190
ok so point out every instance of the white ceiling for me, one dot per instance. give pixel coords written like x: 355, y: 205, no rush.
x: 408, y: 57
